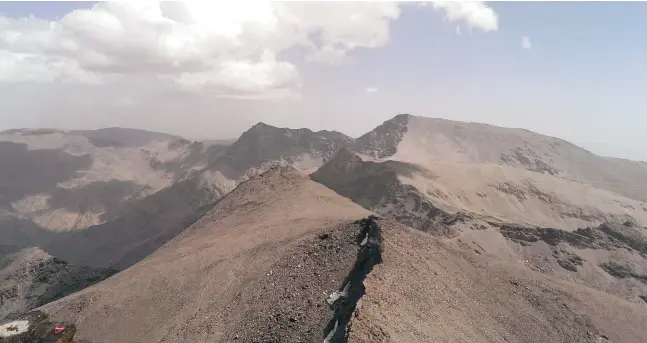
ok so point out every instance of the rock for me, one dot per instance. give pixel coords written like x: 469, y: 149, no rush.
x: 643, y: 297
x: 324, y: 236
x: 35, y: 327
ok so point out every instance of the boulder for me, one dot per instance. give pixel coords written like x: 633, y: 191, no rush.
x: 35, y: 327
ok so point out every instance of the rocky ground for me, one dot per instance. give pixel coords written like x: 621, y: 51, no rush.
x: 35, y: 327
x: 424, y: 291
x: 283, y: 259
x: 30, y: 278
x: 309, y: 292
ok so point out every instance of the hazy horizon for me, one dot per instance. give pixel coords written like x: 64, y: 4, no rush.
x: 233, y: 138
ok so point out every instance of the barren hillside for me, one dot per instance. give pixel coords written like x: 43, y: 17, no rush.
x: 127, y: 192
x: 282, y: 258
x: 551, y: 224
x: 145, y: 226
x: 264, y: 145
x: 30, y: 278
x: 199, y: 283
x: 510, y: 207
x: 426, y: 141
x: 402, y: 189
x: 424, y: 291
x: 70, y: 180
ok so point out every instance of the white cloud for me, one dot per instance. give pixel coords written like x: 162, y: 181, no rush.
x: 525, y: 43
x: 458, y: 30
x: 228, y: 49
x: 371, y: 90
x: 225, y: 49
x: 476, y: 14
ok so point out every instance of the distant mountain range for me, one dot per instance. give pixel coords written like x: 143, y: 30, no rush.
x: 106, y: 199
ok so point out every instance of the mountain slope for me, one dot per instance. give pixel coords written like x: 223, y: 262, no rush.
x: 124, y: 200
x: 256, y: 265
x: 66, y: 180
x: 30, y: 278
x: 145, y: 226
x: 190, y: 282
x: 282, y: 258
x: 425, y: 292
x: 426, y: 140
x: 551, y: 224
x: 264, y: 145
x: 407, y: 191
x: 377, y: 187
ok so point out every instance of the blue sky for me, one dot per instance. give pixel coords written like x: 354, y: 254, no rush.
x: 584, y: 78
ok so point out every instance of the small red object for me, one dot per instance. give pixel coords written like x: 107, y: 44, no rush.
x: 59, y: 328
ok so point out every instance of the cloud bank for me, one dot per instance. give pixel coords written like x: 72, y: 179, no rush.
x: 223, y: 49
x: 227, y: 49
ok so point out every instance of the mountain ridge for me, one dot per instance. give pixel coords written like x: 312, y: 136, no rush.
x: 280, y: 238
x: 457, y: 181
x: 422, y: 139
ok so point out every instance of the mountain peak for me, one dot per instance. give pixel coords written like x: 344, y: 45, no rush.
x: 344, y: 154
x: 402, y: 116
x: 263, y: 144
x: 261, y: 124
x: 284, y: 190
x: 382, y: 141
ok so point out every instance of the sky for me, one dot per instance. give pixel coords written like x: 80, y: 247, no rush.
x: 211, y: 69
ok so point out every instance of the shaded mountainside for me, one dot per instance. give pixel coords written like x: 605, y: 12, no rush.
x: 89, y: 184
x: 164, y: 186
x: 263, y: 144
x: 550, y: 227
x: 145, y: 226
x: 30, y: 278
x: 425, y: 198
x: 377, y: 187
x: 383, y: 141
x: 25, y: 175
x: 91, y: 177
x: 65, y: 180
x: 282, y: 258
